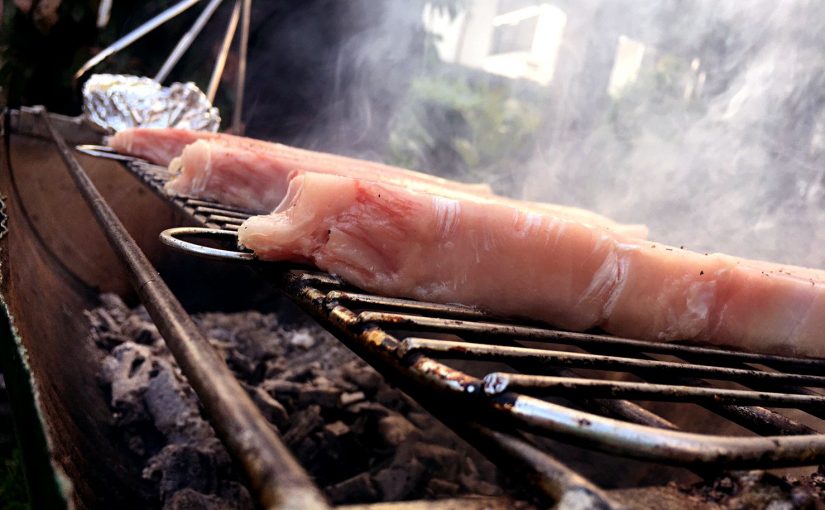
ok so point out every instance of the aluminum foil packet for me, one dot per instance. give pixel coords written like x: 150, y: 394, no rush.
x: 115, y: 102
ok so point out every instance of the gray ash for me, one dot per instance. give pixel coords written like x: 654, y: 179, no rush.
x: 758, y: 489
x: 359, y: 438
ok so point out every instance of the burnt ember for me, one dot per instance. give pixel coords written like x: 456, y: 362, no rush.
x: 359, y: 438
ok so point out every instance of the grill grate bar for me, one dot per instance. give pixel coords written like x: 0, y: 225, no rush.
x: 485, y: 352
x: 497, y: 330
x: 221, y: 212
x: 542, y: 417
x: 378, y: 348
x: 537, y: 385
x: 408, y: 305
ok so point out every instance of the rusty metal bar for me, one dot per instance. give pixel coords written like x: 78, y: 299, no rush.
x: 465, y: 350
x: 222, y: 212
x: 758, y: 419
x: 755, y: 418
x: 606, y: 434
x: 276, y: 477
x: 496, y: 330
x: 196, y: 202
x: 378, y: 348
x: 539, y: 385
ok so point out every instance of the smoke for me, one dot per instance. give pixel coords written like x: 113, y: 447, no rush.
x: 716, y: 141
x: 735, y: 167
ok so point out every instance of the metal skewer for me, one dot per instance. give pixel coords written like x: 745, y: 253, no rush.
x: 135, y: 34
x: 186, y: 41
x: 215, y: 80
x: 237, y: 126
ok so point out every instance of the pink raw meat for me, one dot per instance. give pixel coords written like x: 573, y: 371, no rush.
x: 514, y: 261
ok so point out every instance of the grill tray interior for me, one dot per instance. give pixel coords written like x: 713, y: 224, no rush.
x: 514, y: 381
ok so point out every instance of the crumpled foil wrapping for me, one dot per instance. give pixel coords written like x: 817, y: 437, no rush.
x: 115, y: 102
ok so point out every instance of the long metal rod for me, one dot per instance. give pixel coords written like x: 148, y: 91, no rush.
x: 220, y: 63
x: 240, y: 84
x: 187, y: 40
x: 466, y: 350
x: 759, y: 419
x: 755, y: 418
x: 499, y: 382
x: 275, y: 475
x: 496, y: 330
x: 135, y: 34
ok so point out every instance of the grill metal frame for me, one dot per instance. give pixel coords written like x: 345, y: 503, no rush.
x: 499, y: 416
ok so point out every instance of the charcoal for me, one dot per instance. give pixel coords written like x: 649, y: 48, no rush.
x: 322, y: 382
x: 303, y: 373
x: 367, y: 407
x: 302, y: 423
x: 188, y: 499
x: 438, y: 488
x: 274, y: 367
x: 390, y: 397
x: 358, y: 488
x: 338, y: 443
x: 173, y: 408
x: 110, y: 339
x: 241, y: 365
x: 420, y: 419
x: 114, y: 306
x: 127, y: 370
x: 306, y: 450
x: 140, y: 330
x: 346, y: 386
x: 438, y: 459
x: 351, y: 398
x: 278, y: 388
x: 336, y: 429
x: 324, y: 397
x: 480, y: 487
x: 272, y: 410
x: 480, y: 468
x: 365, y: 378
x: 237, y: 494
x: 358, y: 437
x: 395, y: 429
x: 179, y: 467
x: 399, y: 481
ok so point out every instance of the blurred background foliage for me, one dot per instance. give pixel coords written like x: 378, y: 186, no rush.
x: 462, y: 128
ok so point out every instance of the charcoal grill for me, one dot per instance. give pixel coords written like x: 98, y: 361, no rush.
x: 546, y: 383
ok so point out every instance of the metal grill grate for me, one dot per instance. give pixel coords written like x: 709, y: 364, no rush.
x: 405, y: 339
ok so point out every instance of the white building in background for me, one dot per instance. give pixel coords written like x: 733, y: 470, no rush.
x: 521, y: 39
x: 512, y: 38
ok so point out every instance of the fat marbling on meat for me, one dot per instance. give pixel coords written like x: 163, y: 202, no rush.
x: 516, y: 261
x: 253, y: 174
